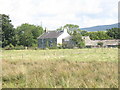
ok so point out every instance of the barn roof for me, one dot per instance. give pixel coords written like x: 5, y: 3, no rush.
x: 105, y: 42
x: 109, y: 42
x: 90, y: 42
x: 51, y: 34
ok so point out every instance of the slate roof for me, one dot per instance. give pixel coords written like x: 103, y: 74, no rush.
x: 50, y: 34
x: 105, y: 42
x: 108, y: 42
x: 90, y: 42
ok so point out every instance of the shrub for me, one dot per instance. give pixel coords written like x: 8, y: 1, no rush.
x: 54, y: 47
x: 9, y: 47
x: 19, y: 47
x: 81, y: 44
x: 60, y: 46
x: 64, y: 45
x: 100, y: 44
x: 118, y: 46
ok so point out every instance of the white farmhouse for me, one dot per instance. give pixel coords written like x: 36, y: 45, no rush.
x: 55, y: 38
x: 52, y: 38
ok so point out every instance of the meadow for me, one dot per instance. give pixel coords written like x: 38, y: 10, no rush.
x: 60, y: 68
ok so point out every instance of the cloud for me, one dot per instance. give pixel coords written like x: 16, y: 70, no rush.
x: 55, y: 13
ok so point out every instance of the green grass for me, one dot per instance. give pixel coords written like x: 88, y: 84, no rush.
x: 68, y: 68
x: 100, y: 54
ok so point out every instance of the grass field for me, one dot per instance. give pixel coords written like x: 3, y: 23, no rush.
x: 68, y: 68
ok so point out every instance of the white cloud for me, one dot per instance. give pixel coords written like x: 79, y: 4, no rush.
x: 55, y: 13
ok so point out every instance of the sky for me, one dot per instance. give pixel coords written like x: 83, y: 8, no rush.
x: 53, y: 14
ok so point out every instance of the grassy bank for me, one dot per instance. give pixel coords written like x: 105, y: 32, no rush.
x: 83, y: 68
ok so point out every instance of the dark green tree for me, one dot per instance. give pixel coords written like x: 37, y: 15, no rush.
x: 84, y: 33
x: 77, y: 38
x: 28, y: 34
x: 0, y: 30
x: 99, y: 35
x: 114, y: 33
x: 8, y: 31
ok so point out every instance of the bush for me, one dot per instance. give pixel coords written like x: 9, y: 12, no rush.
x: 54, y: 47
x: 118, y: 46
x: 100, y: 44
x: 9, y: 47
x: 19, y: 47
x: 59, y: 46
x: 81, y: 44
x: 64, y: 45
x: 32, y: 48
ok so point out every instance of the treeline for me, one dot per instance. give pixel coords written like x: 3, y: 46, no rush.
x: 22, y: 36
x: 113, y: 33
x: 26, y: 34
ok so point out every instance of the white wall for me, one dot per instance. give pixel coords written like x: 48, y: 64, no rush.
x: 62, y: 36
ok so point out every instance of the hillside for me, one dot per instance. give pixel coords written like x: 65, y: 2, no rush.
x: 101, y: 27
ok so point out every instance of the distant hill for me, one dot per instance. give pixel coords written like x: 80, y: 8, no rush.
x: 101, y: 27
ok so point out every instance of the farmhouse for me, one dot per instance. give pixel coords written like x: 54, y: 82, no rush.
x: 56, y: 38
x: 52, y: 38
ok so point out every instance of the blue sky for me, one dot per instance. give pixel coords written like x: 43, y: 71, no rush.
x: 56, y: 13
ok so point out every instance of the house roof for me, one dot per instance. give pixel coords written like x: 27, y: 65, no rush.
x: 105, y: 42
x: 88, y: 41
x: 108, y: 42
x: 51, y: 34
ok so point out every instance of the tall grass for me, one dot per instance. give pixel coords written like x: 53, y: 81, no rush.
x: 101, y: 54
x: 79, y: 68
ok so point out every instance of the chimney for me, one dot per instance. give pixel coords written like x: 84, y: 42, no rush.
x: 65, y: 30
x: 45, y: 30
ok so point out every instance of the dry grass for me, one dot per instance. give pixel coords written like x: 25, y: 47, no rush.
x: 73, y: 70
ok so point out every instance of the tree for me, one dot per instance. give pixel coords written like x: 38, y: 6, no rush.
x: 77, y: 38
x: 84, y: 33
x: 60, y: 28
x: 28, y: 34
x: 8, y: 31
x: 114, y: 33
x: 0, y: 30
x: 99, y: 35
x: 70, y: 27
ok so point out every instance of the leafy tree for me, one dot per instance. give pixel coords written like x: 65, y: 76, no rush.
x: 28, y: 34
x: 70, y: 27
x: 99, y: 35
x: 84, y: 33
x: 0, y: 30
x: 60, y: 28
x: 8, y: 31
x: 77, y: 38
x: 114, y: 33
